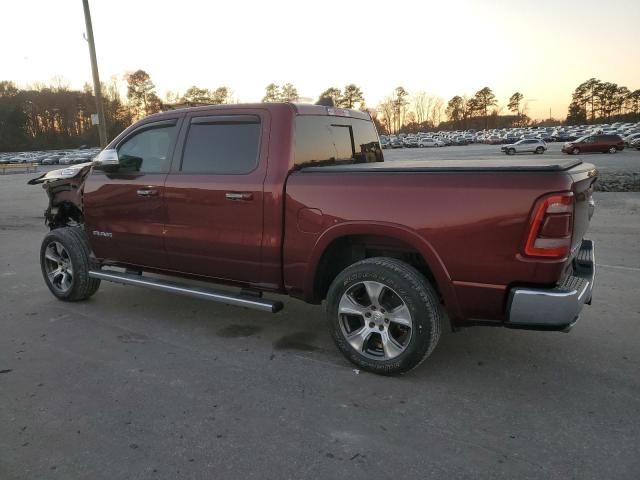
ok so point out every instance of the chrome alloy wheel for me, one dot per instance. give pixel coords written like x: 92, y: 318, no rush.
x: 375, y: 320
x: 58, y: 267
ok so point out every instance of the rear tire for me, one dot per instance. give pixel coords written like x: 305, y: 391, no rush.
x: 383, y: 315
x: 539, y: 150
x: 65, y: 263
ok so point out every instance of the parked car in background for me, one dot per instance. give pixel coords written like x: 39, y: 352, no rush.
x: 529, y: 145
x: 53, y: 160
x: 396, y: 142
x: 429, y: 142
x: 410, y: 142
x: 594, y: 143
x: 563, y: 137
x: 67, y: 160
x: 635, y: 144
x: 631, y: 137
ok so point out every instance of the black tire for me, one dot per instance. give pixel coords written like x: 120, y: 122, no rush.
x: 80, y: 234
x: 613, y: 150
x: 511, y: 151
x: 575, y: 151
x: 76, y: 254
x: 418, y: 296
x: 540, y: 150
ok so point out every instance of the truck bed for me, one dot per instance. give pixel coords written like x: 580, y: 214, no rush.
x: 496, y: 165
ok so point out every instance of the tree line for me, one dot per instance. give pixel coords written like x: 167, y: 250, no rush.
x: 596, y: 101
x: 55, y: 116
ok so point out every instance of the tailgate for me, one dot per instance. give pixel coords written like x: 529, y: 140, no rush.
x: 583, y: 177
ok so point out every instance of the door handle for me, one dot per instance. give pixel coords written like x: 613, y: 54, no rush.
x: 147, y: 192
x: 239, y: 196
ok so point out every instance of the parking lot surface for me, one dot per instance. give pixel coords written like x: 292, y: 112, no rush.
x: 136, y: 384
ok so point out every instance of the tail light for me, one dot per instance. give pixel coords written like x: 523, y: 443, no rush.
x: 551, y: 226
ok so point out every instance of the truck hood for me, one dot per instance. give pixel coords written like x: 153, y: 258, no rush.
x: 62, y: 174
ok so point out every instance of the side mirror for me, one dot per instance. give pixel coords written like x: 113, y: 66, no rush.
x: 107, y: 160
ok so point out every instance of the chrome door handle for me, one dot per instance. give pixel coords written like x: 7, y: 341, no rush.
x: 239, y: 196
x: 147, y: 193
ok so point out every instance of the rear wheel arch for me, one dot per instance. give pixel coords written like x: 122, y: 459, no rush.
x: 338, y: 249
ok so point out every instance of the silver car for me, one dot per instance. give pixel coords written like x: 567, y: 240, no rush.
x: 526, y: 145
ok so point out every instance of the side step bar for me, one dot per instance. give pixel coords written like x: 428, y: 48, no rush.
x: 257, y: 303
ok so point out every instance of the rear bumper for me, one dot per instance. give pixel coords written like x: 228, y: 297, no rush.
x: 555, y: 308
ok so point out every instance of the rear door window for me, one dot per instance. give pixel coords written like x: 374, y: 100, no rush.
x: 222, y: 145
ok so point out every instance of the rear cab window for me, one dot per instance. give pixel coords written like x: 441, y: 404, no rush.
x: 331, y: 140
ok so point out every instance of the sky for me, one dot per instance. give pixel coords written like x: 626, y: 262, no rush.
x: 541, y: 48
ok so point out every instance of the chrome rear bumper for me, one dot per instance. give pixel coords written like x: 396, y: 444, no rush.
x: 555, y: 308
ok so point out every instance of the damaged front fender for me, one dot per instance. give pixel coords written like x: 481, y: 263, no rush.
x: 65, y: 188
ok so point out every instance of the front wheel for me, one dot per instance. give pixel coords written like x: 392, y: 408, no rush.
x: 384, y: 315
x: 65, y: 261
x: 613, y: 150
x: 511, y: 151
x: 575, y: 151
x: 540, y: 150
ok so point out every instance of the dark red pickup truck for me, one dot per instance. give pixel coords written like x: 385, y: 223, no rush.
x: 297, y: 200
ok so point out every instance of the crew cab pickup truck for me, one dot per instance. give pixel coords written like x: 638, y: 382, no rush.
x: 297, y: 200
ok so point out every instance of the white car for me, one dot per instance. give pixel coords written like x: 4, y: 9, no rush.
x: 526, y: 145
x: 429, y: 142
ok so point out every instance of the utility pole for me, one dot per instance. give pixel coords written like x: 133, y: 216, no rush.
x: 102, y: 126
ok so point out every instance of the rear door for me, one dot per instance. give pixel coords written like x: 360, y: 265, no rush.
x: 124, y: 210
x: 214, y: 195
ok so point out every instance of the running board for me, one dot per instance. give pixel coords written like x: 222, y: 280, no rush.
x: 257, y: 303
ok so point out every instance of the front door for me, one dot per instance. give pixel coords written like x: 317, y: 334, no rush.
x: 214, y: 195
x: 125, y: 210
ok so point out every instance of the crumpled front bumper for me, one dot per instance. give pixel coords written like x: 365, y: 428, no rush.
x: 555, y: 308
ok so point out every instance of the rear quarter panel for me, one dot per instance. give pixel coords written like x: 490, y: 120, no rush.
x: 468, y: 226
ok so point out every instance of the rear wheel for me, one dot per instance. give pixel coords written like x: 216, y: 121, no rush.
x: 539, y: 150
x: 65, y: 263
x: 384, y: 315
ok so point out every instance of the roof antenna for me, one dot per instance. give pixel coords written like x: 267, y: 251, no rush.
x: 326, y: 102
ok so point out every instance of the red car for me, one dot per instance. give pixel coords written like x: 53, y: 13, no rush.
x: 297, y: 200
x: 594, y: 143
